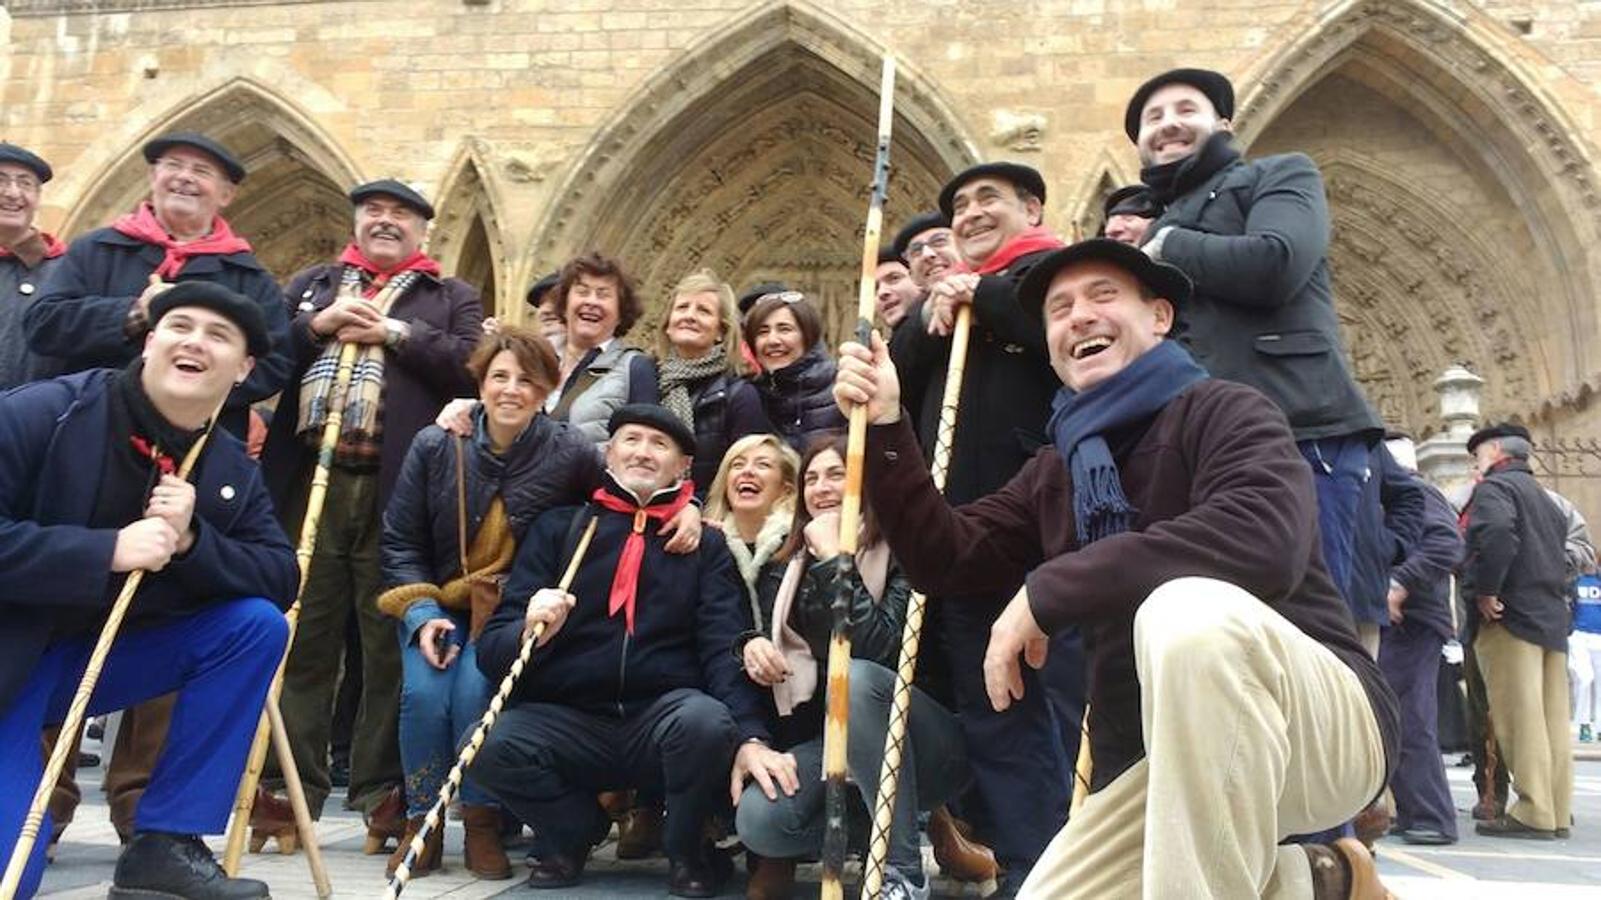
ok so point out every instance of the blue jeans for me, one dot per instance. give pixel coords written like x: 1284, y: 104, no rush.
x: 438, y: 709
x: 220, y: 660
x: 1339, y: 472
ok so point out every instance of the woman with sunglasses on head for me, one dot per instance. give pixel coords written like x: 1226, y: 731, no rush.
x: 785, y: 332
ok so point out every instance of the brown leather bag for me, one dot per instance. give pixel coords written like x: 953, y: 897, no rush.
x: 483, y: 590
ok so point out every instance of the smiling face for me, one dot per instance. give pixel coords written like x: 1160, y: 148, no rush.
x: 930, y: 254
x: 1175, y: 121
x: 823, y: 483
x: 779, y: 341
x: 592, y: 310
x: 895, y: 292
x: 510, y: 394
x: 988, y: 212
x: 1097, y: 321
x: 645, y: 460
x: 388, y: 232
x: 694, y: 324
x: 19, y: 198
x: 755, y: 481
x: 1127, y: 228
x: 188, y: 188
x: 192, y: 358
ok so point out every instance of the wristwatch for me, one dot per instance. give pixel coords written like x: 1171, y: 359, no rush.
x: 395, y: 333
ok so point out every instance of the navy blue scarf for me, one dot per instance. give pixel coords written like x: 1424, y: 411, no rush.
x: 1078, y: 421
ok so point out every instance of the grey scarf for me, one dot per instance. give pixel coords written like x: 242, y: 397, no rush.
x: 677, y: 374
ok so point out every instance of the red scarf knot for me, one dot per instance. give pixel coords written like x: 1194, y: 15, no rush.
x: 1033, y: 240
x: 165, y: 463
x: 143, y: 225
x: 625, y: 584
x: 379, y: 275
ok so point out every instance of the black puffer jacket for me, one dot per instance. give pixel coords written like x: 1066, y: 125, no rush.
x: 726, y: 409
x: 549, y: 465
x: 799, y: 398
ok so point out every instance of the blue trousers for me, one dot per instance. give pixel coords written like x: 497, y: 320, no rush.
x: 1409, y: 656
x: 219, y: 660
x: 1021, y: 769
x: 1339, y: 472
x: 438, y: 707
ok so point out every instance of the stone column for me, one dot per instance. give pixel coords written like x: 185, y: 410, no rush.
x: 1444, y: 459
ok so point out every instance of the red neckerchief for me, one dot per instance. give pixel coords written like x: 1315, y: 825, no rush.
x: 1031, y: 241
x: 625, y: 584
x: 417, y: 261
x: 165, y: 463
x: 52, y: 248
x: 142, y: 224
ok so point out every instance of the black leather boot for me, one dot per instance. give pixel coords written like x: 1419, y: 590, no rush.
x: 160, y: 865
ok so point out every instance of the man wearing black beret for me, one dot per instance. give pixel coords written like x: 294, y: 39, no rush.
x: 550, y: 322
x: 632, y: 684
x: 1172, y: 519
x: 893, y: 287
x: 1515, y: 582
x: 1128, y: 214
x: 206, y: 625
x: 414, y: 329
x: 1254, y: 237
x: 95, y: 309
x: 26, y: 257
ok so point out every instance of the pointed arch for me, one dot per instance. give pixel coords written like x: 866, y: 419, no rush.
x: 770, y: 114
x: 1107, y: 173
x: 1471, y: 84
x: 466, y: 236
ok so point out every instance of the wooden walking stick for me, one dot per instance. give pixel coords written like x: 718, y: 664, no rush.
x: 80, y: 700
x: 912, y: 632
x: 436, y: 815
x: 271, y: 726
x: 835, y: 725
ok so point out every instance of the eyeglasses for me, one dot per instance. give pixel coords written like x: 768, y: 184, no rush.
x: 24, y: 183
x: 938, y: 241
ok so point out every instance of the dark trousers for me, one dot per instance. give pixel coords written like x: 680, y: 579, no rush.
x: 1409, y: 656
x: 1490, y: 775
x: 1339, y: 472
x: 546, y: 762
x: 1022, y: 772
x: 219, y: 660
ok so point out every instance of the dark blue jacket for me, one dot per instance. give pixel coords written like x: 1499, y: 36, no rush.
x: 1426, y: 570
x: 689, y: 611
x: 55, y: 571
x: 799, y: 398
x: 1517, y: 541
x: 79, y: 317
x: 1390, y: 519
x: 727, y: 408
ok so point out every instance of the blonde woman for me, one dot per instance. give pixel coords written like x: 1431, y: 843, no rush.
x: 753, y: 496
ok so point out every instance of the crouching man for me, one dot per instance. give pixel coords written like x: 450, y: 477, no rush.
x: 632, y: 684
x: 88, y: 494
x: 1175, y: 521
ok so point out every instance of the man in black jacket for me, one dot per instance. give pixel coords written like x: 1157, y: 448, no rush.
x: 1254, y: 237
x: 1419, y: 601
x: 1022, y: 759
x: 633, y: 684
x: 1514, y: 578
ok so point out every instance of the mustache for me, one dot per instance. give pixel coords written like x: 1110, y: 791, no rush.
x: 383, y: 230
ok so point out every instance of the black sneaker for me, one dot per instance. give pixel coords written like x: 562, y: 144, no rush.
x: 177, y: 866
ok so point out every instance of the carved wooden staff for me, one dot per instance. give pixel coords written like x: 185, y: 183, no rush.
x: 80, y: 700
x: 436, y: 815
x: 271, y: 726
x: 912, y: 632
x: 835, y: 725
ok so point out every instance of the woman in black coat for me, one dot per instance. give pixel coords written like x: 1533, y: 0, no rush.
x: 796, y: 384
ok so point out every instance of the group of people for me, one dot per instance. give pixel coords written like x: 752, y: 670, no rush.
x: 1177, y: 582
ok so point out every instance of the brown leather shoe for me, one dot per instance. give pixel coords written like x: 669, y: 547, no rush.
x: 958, y: 856
x: 482, y: 852
x: 1371, y: 824
x: 1344, y: 870
x: 639, y: 832
x: 272, y: 817
x: 387, y: 821
x: 615, y: 803
x: 433, y: 849
x: 770, y: 879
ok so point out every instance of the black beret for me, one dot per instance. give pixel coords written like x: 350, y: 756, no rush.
x: 887, y: 254
x: 536, y: 293
x: 757, y: 292
x: 1502, y: 430
x: 11, y: 153
x: 1215, y: 85
x: 1025, y: 177
x: 652, y: 416
x: 1166, y: 281
x: 389, y: 187
x: 241, y: 310
x: 919, y: 224
x: 1132, y: 200
x: 230, y: 163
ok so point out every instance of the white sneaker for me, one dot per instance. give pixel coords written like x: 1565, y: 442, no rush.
x: 898, y: 887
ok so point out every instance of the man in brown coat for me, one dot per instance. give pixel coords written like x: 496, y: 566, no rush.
x: 1175, y: 521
